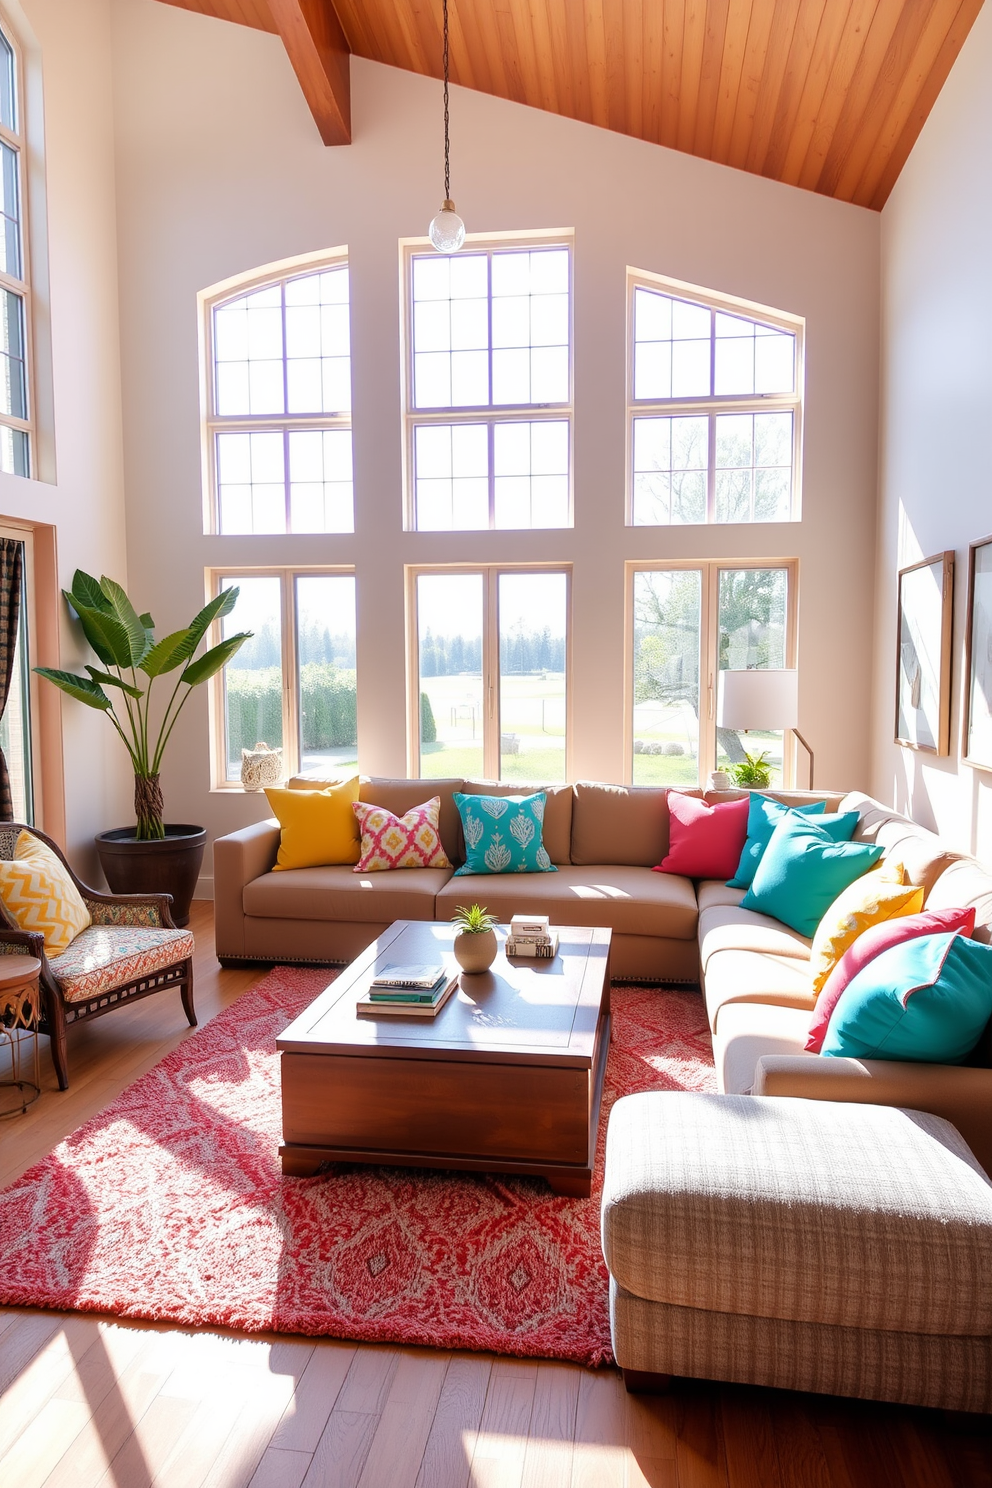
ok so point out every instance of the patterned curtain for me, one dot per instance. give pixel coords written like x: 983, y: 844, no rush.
x: 11, y: 571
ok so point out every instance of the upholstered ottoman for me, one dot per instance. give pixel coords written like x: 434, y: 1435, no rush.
x: 805, y: 1244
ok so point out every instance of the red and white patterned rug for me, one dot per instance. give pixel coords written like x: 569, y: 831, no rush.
x: 171, y: 1205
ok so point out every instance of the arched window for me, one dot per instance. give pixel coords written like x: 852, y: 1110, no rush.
x: 15, y: 407
x: 278, y: 404
x: 715, y: 406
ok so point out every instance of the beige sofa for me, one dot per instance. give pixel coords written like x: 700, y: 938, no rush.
x: 603, y: 839
x: 755, y: 979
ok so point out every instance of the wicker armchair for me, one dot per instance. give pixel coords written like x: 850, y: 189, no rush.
x: 132, y: 949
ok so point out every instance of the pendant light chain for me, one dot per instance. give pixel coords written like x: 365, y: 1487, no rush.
x: 447, y: 168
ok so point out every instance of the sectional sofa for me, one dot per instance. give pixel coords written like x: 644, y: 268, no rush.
x: 604, y: 840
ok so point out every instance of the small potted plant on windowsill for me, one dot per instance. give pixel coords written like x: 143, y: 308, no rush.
x: 475, y: 940
x: 753, y: 771
x: 152, y: 856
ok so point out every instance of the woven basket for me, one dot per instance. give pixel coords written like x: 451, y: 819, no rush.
x: 260, y: 767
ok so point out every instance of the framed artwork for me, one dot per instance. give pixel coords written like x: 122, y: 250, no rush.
x: 923, y: 660
x: 977, y: 743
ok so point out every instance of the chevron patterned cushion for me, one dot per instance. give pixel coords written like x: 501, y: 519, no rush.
x: 39, y: 895
x: 108, y: 956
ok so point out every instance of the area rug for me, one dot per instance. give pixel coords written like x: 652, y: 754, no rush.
x: 171, y: 1205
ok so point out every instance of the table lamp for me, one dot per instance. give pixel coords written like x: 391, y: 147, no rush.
x: 765, y: 699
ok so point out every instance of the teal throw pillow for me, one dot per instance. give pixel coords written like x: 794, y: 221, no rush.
x: 763, y: 816
x: 503, y: 834
x: 927, y: 1000
x: 805, y: 866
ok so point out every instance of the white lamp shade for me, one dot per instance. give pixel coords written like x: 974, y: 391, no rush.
x: 758, y: 699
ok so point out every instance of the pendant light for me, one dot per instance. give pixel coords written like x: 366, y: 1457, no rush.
x: 447, y: 231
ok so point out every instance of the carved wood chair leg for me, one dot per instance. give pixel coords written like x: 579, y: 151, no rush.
x: 188, y: 995
x: 60, y: 1053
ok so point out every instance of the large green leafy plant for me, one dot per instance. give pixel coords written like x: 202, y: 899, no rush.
x: 125, y: 645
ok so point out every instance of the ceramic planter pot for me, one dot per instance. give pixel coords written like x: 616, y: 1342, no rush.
x: 170, y: 865
x: 476, y: 950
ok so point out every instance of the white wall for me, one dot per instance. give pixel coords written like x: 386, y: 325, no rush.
x: 936, y: 413
x: 220, y: 169
x: 68, y: 61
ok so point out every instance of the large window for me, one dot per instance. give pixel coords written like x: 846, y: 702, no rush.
x: 292, y: 686
x: 490, y: 651
x: 714, y: 408
x: 688, y: 623
x: 15, y: 410
x: 489, y: 389
x: 278, y: 406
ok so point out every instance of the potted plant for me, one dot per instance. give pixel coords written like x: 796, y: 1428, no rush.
x: 753, y: 771
x: 150, y: 857
x: 475, y: 941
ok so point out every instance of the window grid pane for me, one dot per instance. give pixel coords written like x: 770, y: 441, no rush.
x: 253, y: 680
x: 326, y: 693
x: 752, y: 621
x: 667, y: 627
x: 8, y: 85
x: 10, y: 211
x: 686, y: 350
x: 285, y: 349
x: 533, y: 611
x: 452, y: 714
x: 13, y: 378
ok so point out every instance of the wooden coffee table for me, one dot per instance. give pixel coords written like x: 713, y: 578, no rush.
x: 507, y: 1078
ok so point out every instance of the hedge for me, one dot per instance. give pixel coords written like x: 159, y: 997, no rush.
x: 254, y: 707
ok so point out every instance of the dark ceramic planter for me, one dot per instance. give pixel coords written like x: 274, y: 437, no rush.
x: 169, y: 865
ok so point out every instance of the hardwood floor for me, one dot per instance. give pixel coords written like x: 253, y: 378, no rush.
x: 86, y: 1401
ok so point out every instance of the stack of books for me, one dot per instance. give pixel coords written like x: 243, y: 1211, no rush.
x: 419, y: 990
x: 531, y: 935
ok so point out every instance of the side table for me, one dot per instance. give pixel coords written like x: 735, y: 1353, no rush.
x: 19, y: 1008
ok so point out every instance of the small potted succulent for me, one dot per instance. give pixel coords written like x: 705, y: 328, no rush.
x: 475, y: 937
x: 753, y: 771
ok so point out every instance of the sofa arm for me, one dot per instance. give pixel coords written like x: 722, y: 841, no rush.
x: 239, y: 858
x: 962, y: 1095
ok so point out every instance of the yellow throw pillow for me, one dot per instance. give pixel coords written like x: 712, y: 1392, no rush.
x: 39, y: 895
x: 876, y: 896
x: 318, y: 826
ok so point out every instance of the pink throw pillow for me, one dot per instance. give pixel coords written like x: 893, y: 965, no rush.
x: 408, y: 841
x: 871, y: 943
x: 704, y: 841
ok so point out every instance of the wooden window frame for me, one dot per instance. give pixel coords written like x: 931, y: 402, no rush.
x: 213, y: 423
x: 490, y: 573
x: 483, y: 413
x: 712, y: 404
x: 709, y: 570
x: 289, y: 660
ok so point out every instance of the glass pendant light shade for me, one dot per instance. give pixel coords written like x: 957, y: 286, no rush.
x: 447, y: 230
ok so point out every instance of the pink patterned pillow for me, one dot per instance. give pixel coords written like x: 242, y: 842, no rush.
x: 409, y: 841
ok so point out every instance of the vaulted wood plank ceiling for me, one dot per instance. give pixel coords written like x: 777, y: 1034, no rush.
x: 829, y: 95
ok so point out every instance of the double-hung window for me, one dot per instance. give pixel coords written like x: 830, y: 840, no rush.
x: 490, y: 662
x: 687, y: 623
x: 489, y: 388
x: 714, y: 408
x: 278, y: 405
x: 15, y: 410
x: 292, y: 686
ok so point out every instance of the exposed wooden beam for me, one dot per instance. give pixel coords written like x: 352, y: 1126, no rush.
x: 318, y: 49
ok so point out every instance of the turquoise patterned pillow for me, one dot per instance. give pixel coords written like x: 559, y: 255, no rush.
x: 503, y: 834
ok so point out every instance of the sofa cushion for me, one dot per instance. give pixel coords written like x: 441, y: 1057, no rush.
x: 804, y: 868
x: 873, y: 899
x: 725, y: 928
x: 407, y: 841
x: 629, y: 901
x: 713, y: 891
x: 923, y: 854
x: 338, y: 893
x: 557, y: 810
x: 855, y: 1216
x: 965, y: 884
x: 503, y: 834
x: 316, y: 826
x: 704, y: 841
x: 401, y: 796
x: 625, y: 824
x: 763, y: 817
x: 756, y: 976
x: 746, y: 1032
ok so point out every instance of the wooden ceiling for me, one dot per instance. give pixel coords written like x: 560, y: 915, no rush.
x: 829, y: 95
